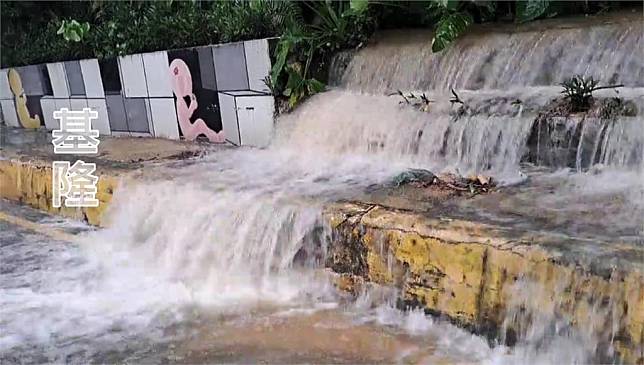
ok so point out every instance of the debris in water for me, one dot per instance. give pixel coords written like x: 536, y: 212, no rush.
x: 420, y: 102
x: 423, y: 178
x: 456, y: 98
x: 417, y: 177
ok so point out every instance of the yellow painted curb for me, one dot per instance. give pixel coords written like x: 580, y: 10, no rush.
x: 30, y: 183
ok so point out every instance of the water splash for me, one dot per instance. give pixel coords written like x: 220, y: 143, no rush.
x: 240, y: 231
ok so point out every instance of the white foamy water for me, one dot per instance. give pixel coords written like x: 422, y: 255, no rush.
x: 241, y: 232
x: 498, y: 58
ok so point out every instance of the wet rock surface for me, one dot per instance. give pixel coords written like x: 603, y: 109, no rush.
x: 561, y: 138
x: 467, y: 271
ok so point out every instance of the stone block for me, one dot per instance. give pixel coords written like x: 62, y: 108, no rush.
x: 78, y: 103
x: 157, y: 74
x: 5, y: 89
x: 110, y: 75
x: 75, y: 78
x: 9, y: 115
x: 258, y: 64
x: 116, y: 113
x: 58, y: 79
x: 247, y: 117
x: 48, y: 106
x: 102, y: 123
x: 92, y: 78
x: 137, y: 116
x: 133, y: 76
x: 35, y: 80
x: 230, y: 67
x: 207, y: 68
x: 164, y: 118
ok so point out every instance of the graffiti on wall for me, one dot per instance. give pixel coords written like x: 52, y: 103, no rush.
x: 20, y: 98
x: 187, y: 104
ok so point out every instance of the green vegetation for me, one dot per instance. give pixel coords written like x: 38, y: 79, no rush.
x: 310, y: 32
x: 73, y: 31
x: 335, y: 26
x: 451, y: 18
x: 579, y: 91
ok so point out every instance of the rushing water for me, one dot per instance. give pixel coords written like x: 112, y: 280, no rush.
x: 203, y: 262
x: 610, y: 50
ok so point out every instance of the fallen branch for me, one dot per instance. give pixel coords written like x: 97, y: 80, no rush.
x: 607, y: 87
x: 456, y: 98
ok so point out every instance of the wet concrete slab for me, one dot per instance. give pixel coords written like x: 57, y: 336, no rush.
x: 577, y: 224
x: 26, y: 158
x: 120, y: 153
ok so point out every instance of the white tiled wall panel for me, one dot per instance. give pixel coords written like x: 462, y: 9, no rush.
x: 102, y: 124
x: 58, y: 79
x: 48, y: 106
x: 60, y: 103
x: 133, y: 76
x: 78, y: 104
x: 5, y: 90
x: 229, y: 118
x: 157, y: 74
x: 164, y: 118
x: 9, y: 113
x: 255, y: 115
x: 258, y: 63
x: 92, y: 78
x: 148, y: 112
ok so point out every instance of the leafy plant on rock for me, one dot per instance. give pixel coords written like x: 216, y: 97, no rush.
x: 579, y: 91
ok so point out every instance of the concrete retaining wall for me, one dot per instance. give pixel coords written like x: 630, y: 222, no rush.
x: 479, y: 277
x: 30, y: 183
x: 168, y: 94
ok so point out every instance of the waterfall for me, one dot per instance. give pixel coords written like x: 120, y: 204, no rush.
x: 502, y: 58
x: 242, y: 229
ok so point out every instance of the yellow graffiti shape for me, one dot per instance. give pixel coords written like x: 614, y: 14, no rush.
x: 21, y: 101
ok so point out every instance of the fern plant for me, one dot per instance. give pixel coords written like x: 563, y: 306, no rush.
x: 579, y: 90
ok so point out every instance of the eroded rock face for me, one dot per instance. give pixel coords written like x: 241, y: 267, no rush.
x: 561, y: 138
x: 475, y: 276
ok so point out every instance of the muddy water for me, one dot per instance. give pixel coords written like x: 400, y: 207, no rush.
x: 221, y: 259
x: 60, y: 305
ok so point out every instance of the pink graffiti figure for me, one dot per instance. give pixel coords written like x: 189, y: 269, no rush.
x: 182, y: 87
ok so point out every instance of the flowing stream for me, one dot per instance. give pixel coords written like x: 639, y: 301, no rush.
x: 202, y: 262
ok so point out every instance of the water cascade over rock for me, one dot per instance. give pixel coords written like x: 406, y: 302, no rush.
x: 244, y: 230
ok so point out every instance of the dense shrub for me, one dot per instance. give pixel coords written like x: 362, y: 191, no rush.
x: 123, y: 27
